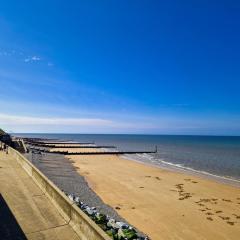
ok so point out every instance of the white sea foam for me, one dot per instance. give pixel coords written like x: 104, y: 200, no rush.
x: 147, y: 158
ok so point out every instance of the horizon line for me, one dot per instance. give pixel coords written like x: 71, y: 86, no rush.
x: 146, y: 134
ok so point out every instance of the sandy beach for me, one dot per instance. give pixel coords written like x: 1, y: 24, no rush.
x: 161, y: 203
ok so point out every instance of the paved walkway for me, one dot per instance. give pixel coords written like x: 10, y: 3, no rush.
x: 25, y: 212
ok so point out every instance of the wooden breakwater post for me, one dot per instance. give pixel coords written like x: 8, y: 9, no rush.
x: 95, y: 153
x: 71, y: 146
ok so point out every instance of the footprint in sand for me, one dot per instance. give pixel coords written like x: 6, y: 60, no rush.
x: 212, y: 200
x: 118, y: 208
x: 147, y: 176
x: 209, y: 213
x: 141, y: 187
x: 226, y: 200
x: 187, y: 179
x: 133, y: 208
x: 230, y: 223
x: 158, y: 178
x: 206, y: 200
x: 224, y: 218
x: 194, y: 182
x: 238, y: 198
x: 209, y: 218
x: 186, y: 196
x: 179, y: 185
x: 237, y: 216
x: 219, y: 211
x: 182, y: 194
x: 202, y: 210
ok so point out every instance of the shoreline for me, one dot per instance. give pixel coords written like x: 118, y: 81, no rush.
x: 181, y: 169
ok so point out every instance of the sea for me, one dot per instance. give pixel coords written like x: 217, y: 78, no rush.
x: 212, y: 156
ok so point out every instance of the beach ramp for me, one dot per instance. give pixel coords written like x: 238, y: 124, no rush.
x: 32, y: 207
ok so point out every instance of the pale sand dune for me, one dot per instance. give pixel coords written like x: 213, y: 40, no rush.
x: 150, y: 199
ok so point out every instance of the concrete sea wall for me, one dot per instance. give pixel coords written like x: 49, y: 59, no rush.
x: 81, y: 223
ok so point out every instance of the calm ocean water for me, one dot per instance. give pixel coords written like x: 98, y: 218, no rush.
x: 212, y: 155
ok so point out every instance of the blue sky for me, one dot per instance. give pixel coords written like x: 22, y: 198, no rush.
x: 158, y: 67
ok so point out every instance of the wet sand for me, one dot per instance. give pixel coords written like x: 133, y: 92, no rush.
x: 161, y: 203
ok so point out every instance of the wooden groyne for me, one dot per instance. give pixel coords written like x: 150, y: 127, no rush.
x: 68, y: 143
x: 40, y: 139
x: 95, y: 153
x: 34, y: 141
x: 108, y: 153
x: 57, y: 143
x: 41, y: 147
x: 73, y: 146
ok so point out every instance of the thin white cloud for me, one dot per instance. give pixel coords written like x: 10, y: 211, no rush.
x: 32, y: 59
x: 35, y: 58
x: 18, y: 123
x: 10, y: 52
x: 164, y: 125
x: 25, y: 120
x: 20, y: 55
